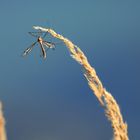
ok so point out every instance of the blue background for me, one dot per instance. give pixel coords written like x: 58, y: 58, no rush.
x: 50, y: 100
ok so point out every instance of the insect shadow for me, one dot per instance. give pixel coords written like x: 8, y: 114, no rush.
x: 41, y: 42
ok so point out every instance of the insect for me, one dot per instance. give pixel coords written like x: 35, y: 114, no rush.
x: 42, y: 43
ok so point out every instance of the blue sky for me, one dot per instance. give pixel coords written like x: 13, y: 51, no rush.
x: 51, y: 99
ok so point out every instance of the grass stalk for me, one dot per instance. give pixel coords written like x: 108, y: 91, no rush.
x: 2, y: 125
x: 112, y: 110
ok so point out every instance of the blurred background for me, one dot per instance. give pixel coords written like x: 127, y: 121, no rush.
x: 51, y: 100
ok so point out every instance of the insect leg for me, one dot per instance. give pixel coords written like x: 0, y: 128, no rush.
x: 43, y: 50
x: 45, y: 34
x: 35, y: 34
x: 29, y: 49
x: 49, y: 44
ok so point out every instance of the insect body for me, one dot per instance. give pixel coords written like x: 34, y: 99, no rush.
x: 41, y: 42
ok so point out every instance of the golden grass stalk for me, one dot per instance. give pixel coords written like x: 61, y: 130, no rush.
x: 108, y: 102
x: 2, y: 125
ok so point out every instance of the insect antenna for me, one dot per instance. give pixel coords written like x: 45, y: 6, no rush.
x: 33, y: 34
